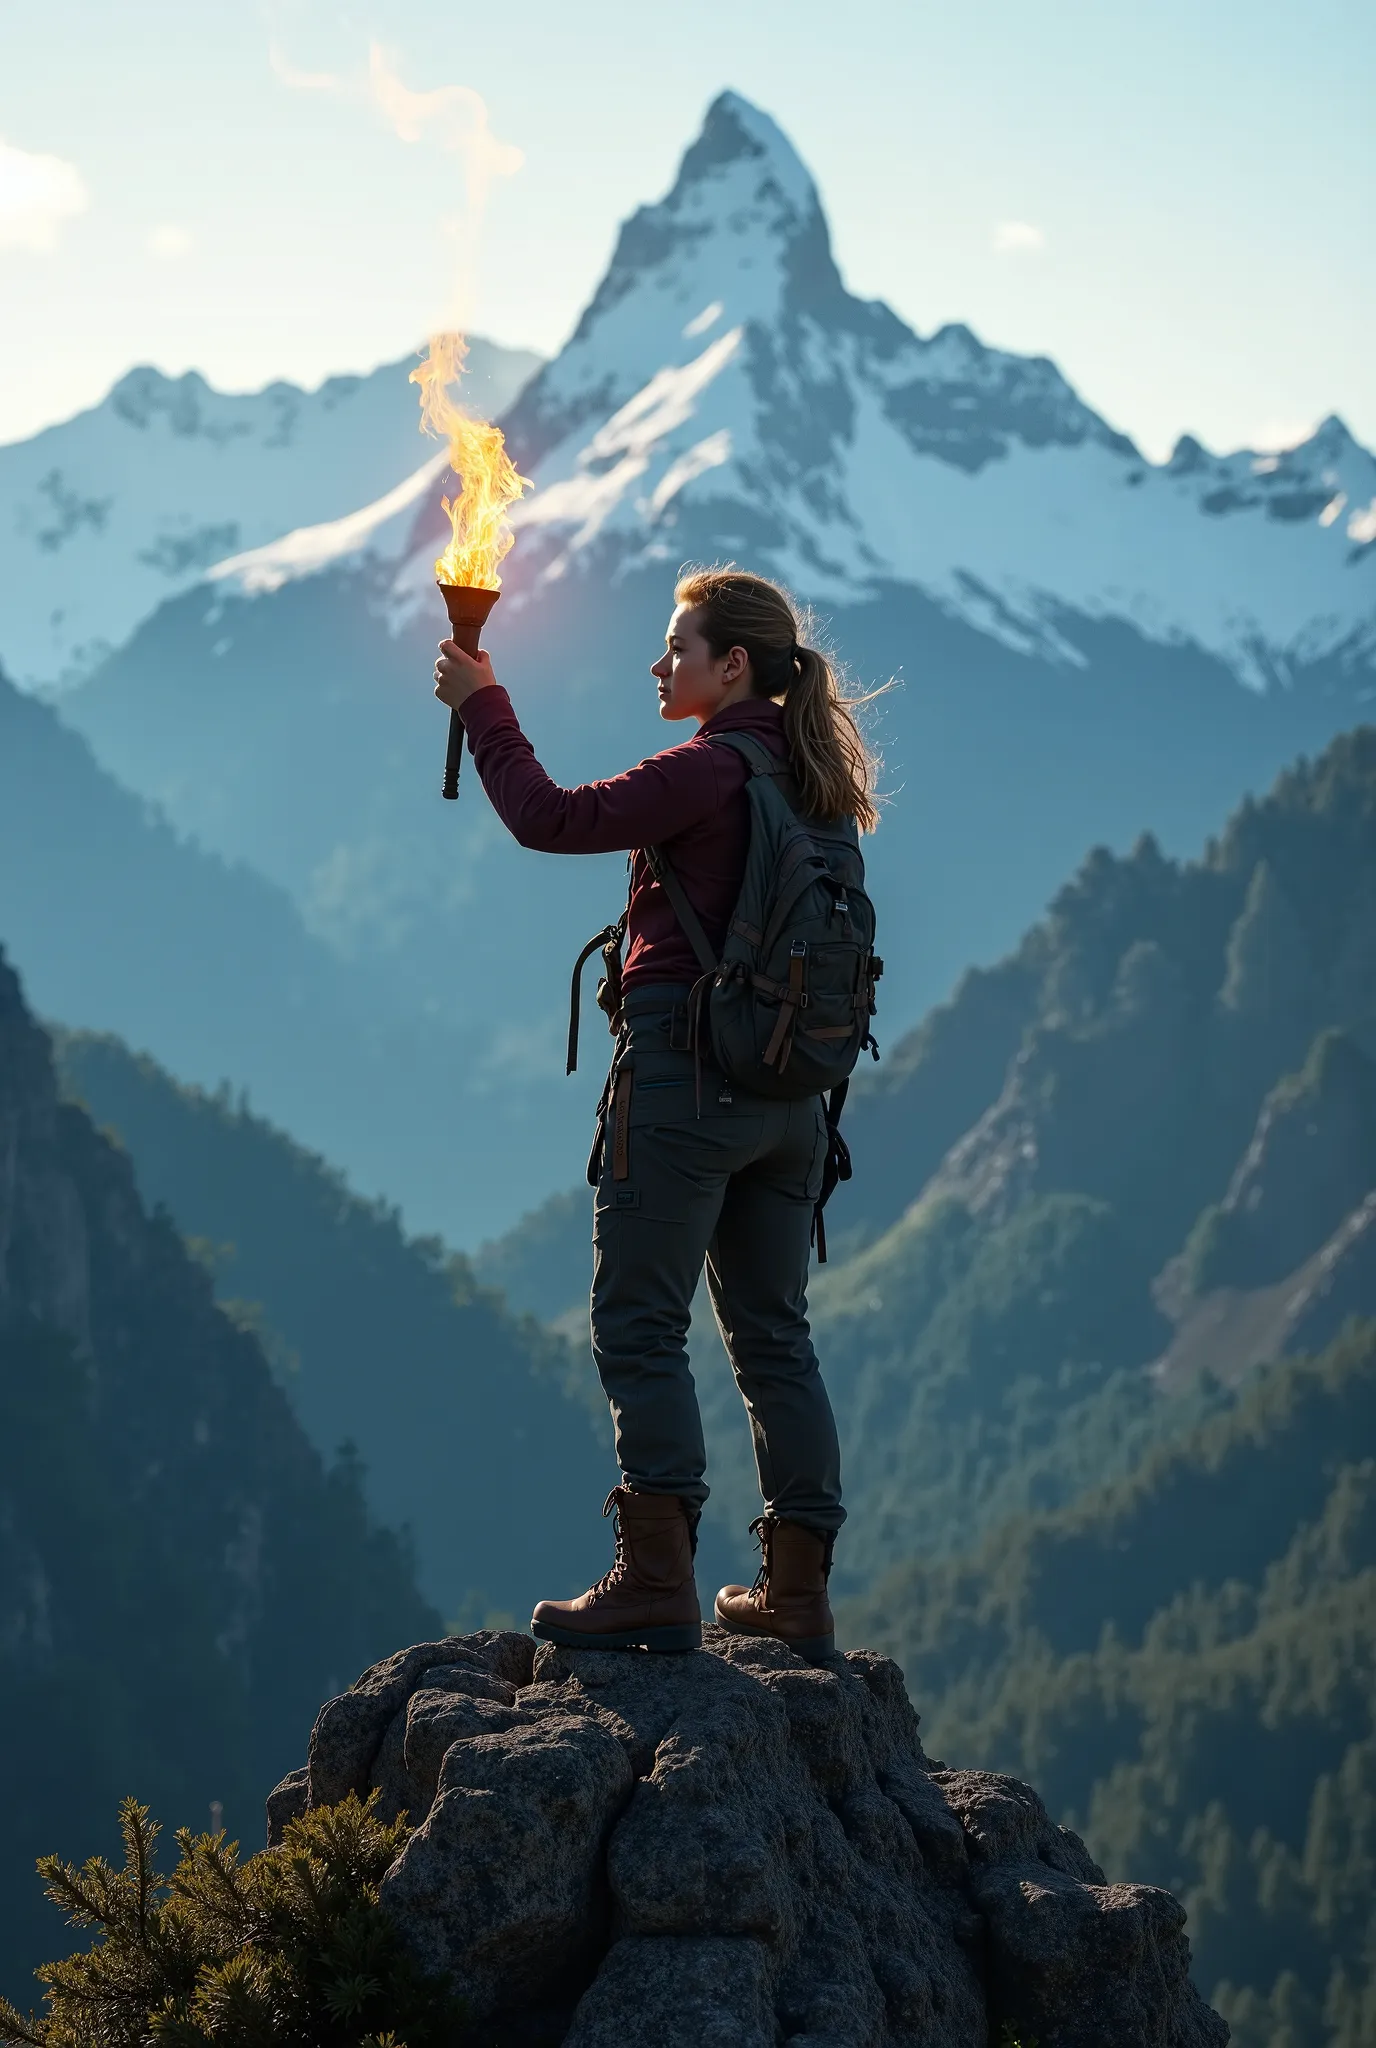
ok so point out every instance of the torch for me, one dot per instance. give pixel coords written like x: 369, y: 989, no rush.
x: 468, y: 611
x: 489, y: 483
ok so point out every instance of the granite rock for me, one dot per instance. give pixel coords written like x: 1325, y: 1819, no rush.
x: 733, y: 1849
x: 349, y: 1731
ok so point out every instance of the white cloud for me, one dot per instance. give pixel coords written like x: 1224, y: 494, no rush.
x: 38, y: 195
x: 1361, y: 527
x: 170, y: 243
x: 1018, y: 237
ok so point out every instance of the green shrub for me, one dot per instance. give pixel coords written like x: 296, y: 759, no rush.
x: 290, y: 1947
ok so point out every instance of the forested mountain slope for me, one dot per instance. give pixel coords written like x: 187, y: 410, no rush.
x: 1235, y: 961
x: 381, y: 1339
x: 108, y: 514
x: 973, y: 1344
x: 1187, y: 1662
x: 182, y: 1577
x: 121, y: 924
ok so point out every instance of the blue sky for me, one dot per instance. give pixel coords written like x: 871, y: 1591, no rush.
x: 1176, y: 201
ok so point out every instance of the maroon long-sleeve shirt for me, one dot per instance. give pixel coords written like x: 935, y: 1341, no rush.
x: 690, y: 799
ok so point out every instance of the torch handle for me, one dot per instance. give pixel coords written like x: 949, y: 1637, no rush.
x: 453, y: 758
x: 468, y: 609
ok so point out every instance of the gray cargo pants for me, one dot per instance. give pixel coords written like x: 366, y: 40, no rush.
x: 736, y: 1186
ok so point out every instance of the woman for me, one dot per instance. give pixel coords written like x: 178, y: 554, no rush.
x: 704, y: 1169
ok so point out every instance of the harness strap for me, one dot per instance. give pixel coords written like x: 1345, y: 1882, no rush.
x: 837, y: 1165
x: 696, y: 996
x: 662, y: 868
x: 612, y: 933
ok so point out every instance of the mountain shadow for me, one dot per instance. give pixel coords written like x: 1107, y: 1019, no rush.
x: 473, y: 1426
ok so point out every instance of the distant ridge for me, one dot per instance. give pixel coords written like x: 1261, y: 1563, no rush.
x: 109, y: 513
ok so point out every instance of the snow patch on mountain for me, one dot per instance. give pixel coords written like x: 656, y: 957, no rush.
x: 111, y: 512
x: 379, y: 533
x: 623, y: 448
x: 1052, y: 533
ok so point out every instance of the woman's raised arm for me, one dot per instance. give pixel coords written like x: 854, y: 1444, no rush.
x: 654, y: 801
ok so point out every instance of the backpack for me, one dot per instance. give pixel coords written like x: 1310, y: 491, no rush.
x: 788, y: 1004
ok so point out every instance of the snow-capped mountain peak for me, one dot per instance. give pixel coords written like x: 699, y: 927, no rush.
x: 723, y: 385
x: 132, y: 501
x: 739, y: 236
x: 1328, y: 479
x: 958, y: 512
x: 741, y: 242
x: 724, y: 394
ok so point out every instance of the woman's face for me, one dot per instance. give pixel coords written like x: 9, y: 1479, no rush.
x: 693, y: 682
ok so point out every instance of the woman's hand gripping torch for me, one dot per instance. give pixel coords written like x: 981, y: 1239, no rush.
x: 489, y: 483
x: 468, y: 611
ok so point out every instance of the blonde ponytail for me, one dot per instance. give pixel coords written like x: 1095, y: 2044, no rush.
x: 832, y: 765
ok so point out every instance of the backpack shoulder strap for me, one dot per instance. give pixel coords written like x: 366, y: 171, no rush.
x: 776, y: 774
x: 756, y: 755
x: 662, y: 868
x: 760, y: 761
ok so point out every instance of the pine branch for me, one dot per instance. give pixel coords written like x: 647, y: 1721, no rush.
x: 89, y: 1896
x: 18, y: 2032
x: 288, y: 1946
x: 140, y: 1834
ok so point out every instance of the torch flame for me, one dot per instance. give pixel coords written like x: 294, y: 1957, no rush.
x: 489, y: 481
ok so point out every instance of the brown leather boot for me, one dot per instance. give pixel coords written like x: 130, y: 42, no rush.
x: 788, y: 1600
x: 648, y: 1600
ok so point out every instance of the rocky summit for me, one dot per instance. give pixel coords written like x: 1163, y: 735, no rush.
x: 732, y: 1848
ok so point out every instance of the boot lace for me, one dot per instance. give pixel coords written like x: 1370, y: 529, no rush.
x: 762, y: 1530
x: 618, y: 1564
